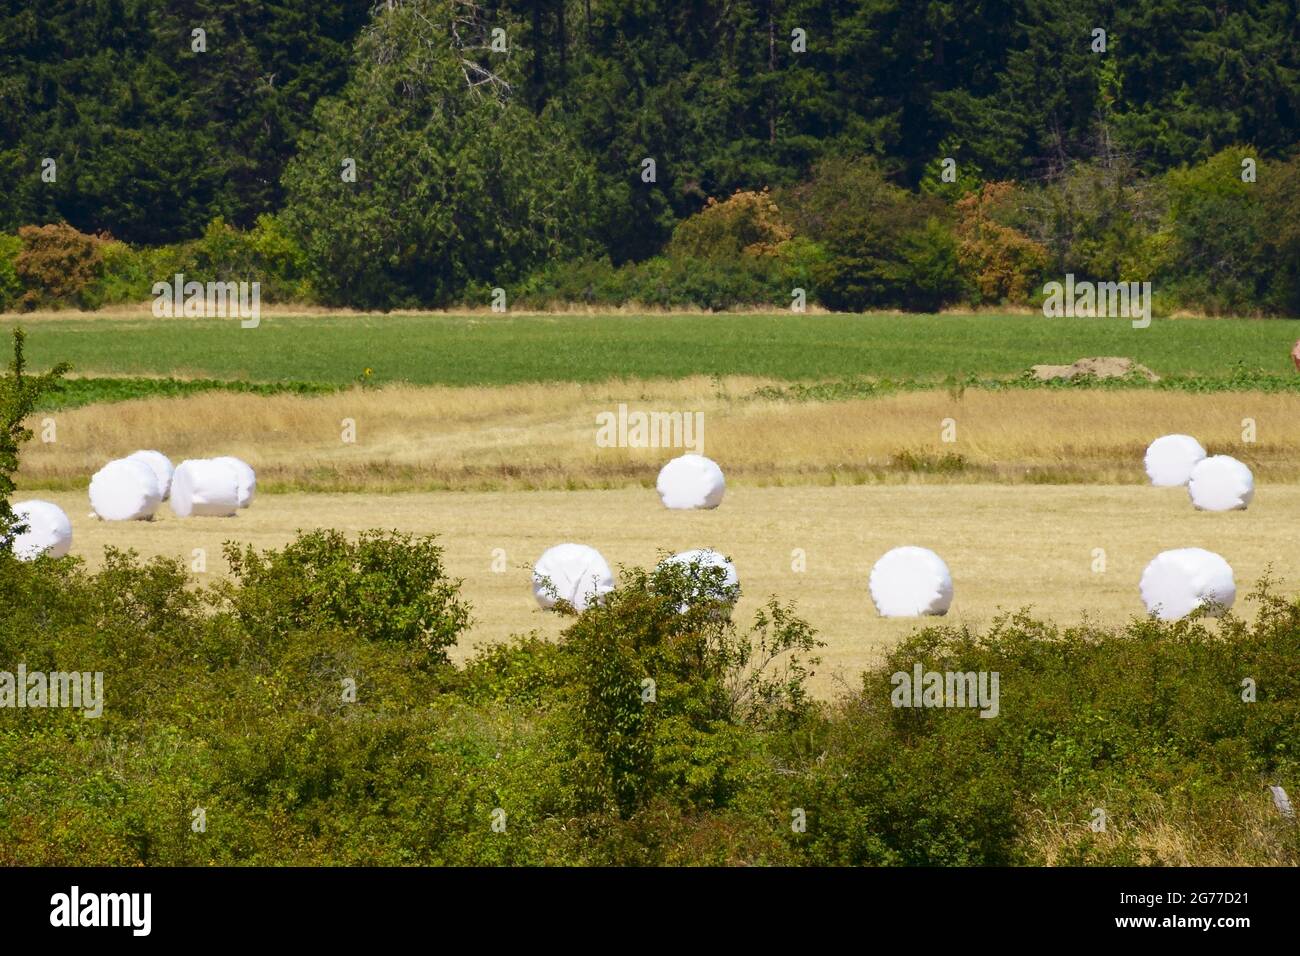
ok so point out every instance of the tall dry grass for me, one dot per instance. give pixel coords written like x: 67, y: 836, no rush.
x: 1249, y: 831
x: 544, y: 435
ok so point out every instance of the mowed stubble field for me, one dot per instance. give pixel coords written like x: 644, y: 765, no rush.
x: 1007, y: 547
x: 484, y: 432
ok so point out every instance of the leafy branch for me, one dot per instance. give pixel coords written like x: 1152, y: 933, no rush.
x: 19, y: 395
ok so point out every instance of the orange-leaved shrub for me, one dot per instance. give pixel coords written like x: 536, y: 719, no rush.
x: 999, y: 263
x: 57, y: 263
x: 749, y: 223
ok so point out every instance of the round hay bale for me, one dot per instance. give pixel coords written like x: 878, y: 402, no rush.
x: 910, y: 582
x: 161, y: 465
x: 125, y: 490
x: 1221, y: 483
x: 1170, y: 459
x: 1177, y: 582
x: 204, y: 488
x: 48, y: 531
x: 245, y: 478
x: 571, y: 572
x: 697, y: 562
x: 691, y: 481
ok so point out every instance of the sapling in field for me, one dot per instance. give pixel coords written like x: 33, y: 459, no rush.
x: 20, y: 394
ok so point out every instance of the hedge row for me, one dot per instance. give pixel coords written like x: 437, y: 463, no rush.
x: 1221, y: 237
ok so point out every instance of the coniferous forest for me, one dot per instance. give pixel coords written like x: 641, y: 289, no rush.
x: 877, y: 153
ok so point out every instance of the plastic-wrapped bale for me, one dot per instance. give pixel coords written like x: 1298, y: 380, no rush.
x: 696, y: 563
x: 910, y: 582
x: 245, y: 478
x: 1177, y: 582
x: 691, y: 481
x: 125, y: 490
x: 48, y: 531
x: 162, y: 468
x: 1221, y: 483
x: 571, y: 572
x: 1171, y: 458
x: 204, y: 488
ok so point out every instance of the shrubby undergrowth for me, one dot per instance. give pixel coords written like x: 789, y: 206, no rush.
x: 644, y: 735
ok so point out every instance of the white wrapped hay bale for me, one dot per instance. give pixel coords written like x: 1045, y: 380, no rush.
x: 1171, y: 458
x: 691, y: 481
x: 1177, y: 582
x: 204, y: 488
x: 1221, y: 483
x: 161, y: 466
x: 125, y: 490
x: 48, y: 531
x: 571, y: 572
x: 245, y: 478
x: 909, y: 582
x: 696, y: 563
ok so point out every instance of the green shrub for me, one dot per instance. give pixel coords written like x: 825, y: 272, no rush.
x: 11, y: 286
x: 380, y: 587
x: 881, y: 246
x: 124, y: 277
x: 60, y: 266
x: 267, y: 254
x: 1126, y: 719
x: 717, y: 284
x: 280, y: 260
x: 928, y: 277
x: 1096, y: 221
x: 966, y: 180
x: 573, y: 282
x: 200, y: 711
x: 1279, y: 200
x: 1217, y: 262
x: 666, y: 689
x: 664, y: 282
x: 798, y: 262
x: 162, y: 263
x: 527, y: 671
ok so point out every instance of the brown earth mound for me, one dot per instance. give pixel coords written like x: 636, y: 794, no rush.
x: 1108, y: 366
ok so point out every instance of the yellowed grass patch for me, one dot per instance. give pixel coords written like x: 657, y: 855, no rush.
x: 1007, y: 547
x: 544, y: 436
x: 1249, y: 832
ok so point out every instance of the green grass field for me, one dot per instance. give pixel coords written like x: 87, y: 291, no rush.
x: 499, y: 350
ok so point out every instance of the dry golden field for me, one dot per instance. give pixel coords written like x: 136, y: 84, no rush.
x: 510, y: 437
x: 1045, y: 477
x: 1007, y: 547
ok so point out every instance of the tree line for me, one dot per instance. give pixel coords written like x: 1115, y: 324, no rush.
x: 423, y: 149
